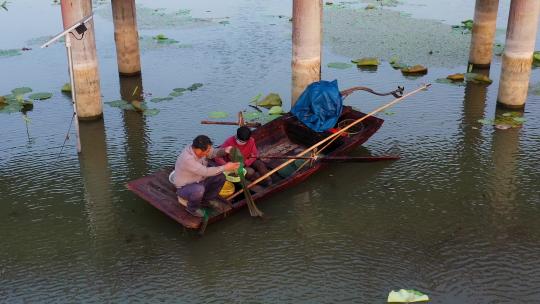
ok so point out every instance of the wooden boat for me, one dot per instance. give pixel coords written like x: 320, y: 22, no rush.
x: 282, y: 136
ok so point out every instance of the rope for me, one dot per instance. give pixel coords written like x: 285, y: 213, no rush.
x: 67, y: 136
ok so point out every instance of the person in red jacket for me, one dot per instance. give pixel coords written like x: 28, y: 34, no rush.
x: 247, y: 146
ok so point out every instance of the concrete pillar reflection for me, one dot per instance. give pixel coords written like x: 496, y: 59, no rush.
x: 131, y: 89
x: 85, y: 63
x: 96, y: 177
x: 306, y: 45
x: 518, y: 52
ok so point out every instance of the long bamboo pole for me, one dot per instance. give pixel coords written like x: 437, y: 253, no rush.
x: 423, y: 87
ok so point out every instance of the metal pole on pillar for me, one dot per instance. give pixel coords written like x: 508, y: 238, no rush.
x: 483, y: 34
x: 73, y: 100
x: 518, y: 53
x: 306, y: 45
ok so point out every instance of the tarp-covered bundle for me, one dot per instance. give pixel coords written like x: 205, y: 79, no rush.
x: 319, y: 106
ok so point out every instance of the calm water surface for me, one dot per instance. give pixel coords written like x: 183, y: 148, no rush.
x: 456, y: 217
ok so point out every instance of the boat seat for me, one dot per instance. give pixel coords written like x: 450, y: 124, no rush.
x: 182, y: 201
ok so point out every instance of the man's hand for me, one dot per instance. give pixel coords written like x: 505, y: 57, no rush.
x: 228, y: 149
x: 231, y: 167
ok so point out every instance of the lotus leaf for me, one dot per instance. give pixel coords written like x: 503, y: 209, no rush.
x: 480, y: 78
x: 270, y: 100
x: 367, y: 61
x: 40, y: 96
x: 467, y: 24
x: 275, y: 110
x: 160, y: 99
x: 9, y: 53
x: 3, y: 100
x: 218, y: 114
x: 21, y: 91
x: 117, y: 103
x: 519, y: 119
x: 167, y: 41
x: 251, y: 115
x: 66, y: 88
x: 195, y: 86
x: 339, y: 65
x: 160, y: 37
x: 256, y: 98
x: 181, y: 90
x: 485, y: 121
x: 176, y: 94
x: 415, y: 70
x: 150, y: 112
x: 12, y: 107
x: 456, y: 77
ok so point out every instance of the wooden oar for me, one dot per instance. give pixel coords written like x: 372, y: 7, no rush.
x: 230, y: 123
x: 330, y: 137
x: 337, y: 159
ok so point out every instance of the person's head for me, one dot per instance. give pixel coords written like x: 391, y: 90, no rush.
x: 242, y: 135
x: 202, y: 145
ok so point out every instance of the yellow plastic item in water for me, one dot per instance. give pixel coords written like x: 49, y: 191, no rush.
x: 227, y: 189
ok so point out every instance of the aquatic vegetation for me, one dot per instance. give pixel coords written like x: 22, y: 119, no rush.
x: 160, y: 99
x: 4, y: 5
x: 366, y: 62
x: 478, y: 78
x: 339, y: 65
x: 224, y: 22
x: 160, y: 18
x: 505, y: 120
x: 195, y: 86
x: 536, y: 58
x: 269, y: 101
x: 414, y: 70
x: 66, y: 88
x: 10, y: 53
x: 176, y: 94
x: 217, y: 115
x: 21, y: 91
x: 465, y: 27
x: 276, y: 110
x: 180, y: 90
x: 137, y: 106
x: 40, y: 96
x: 357, y: 33
x: 456, y: 77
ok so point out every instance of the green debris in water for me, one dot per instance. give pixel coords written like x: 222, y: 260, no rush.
x: 218, y: 115
x: 465, y: 27
x: 40, y: 96
x: 21, y: 91
x: 10, y: 53
x: 195, y: 86
x: 339, y: 65
x: 66, y: 88
x: 160, y: 99
x: 180, y: 90
x: 160, y: 37
x: 366, y: 62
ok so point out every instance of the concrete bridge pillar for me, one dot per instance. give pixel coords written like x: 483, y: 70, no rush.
x: 306, y: 45
x: 483, y: 34
x: 126, y: 37
x: 518, y: 52
x: 85, y: 63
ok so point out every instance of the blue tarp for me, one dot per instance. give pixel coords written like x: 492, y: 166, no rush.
x: 319, y: 106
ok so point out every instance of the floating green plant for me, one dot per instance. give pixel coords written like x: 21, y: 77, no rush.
x: 217, y: 115
x: 10, y: 53
x: 195, y: 86
x: 466, y: 26
x: 478, y: 78
x: 40, y: 96
x: 366, y: 62
x: 414, y: 70
x: 21, y: 91
x: 180, y: 90
x: 275, y: 110
x: 505, y: 121
x: 269, y: 101
x: 160, y: 99
x: 176, y: 94
x: 150, y: 112
x: 339, y: 65
x: 66, y: 88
